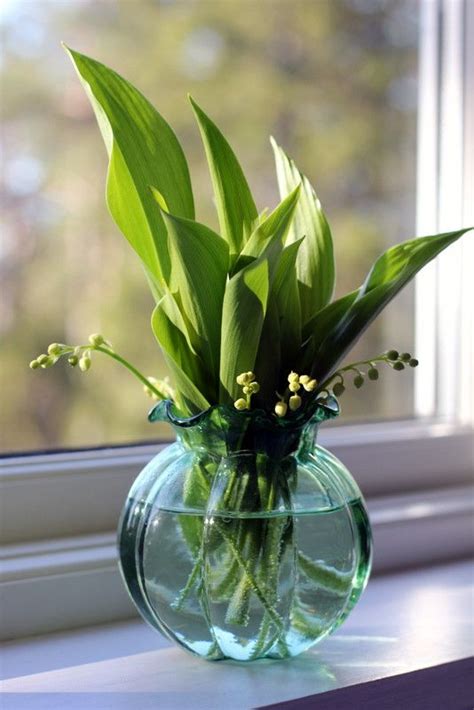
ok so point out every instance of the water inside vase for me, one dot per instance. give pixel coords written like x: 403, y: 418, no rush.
x: 247, y: 585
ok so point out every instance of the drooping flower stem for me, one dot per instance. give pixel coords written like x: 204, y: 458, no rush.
x: 131, y: 368
x: 335, y: 382
x: 81, y: 355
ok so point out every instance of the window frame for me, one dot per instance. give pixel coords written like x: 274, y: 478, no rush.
x: 444, y: 290
x: 60, y: 496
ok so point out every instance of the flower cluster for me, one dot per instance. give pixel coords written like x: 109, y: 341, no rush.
x: 397, y: 361
x: 250, y: 386
x: 163, y: 386
x: 77, y: 355
x: 295, y: 383
x: 80, y: 355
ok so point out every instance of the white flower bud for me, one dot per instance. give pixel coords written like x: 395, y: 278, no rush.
x: 294, y: 386
x: 34, y: 364
x: 240, y: 404
x: 295, y: 402
x: 281, y: 409
x: 96, y: 339
x: 293, y: 377
x: 311, y: 385
x: 84, y: 363
x: 54, y: 349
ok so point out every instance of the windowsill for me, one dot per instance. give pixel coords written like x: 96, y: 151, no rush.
x: 404, y: 622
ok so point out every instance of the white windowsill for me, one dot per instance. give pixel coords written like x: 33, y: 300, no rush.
x: 404, y: 622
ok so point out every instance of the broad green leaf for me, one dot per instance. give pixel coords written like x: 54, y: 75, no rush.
x: 281, y: 333
x: 276, y: 225
x: 172, y: 307
x: 185, y: 366
x: 260, y: 218
x: 199, y: 262
x: 243, y: 314
x: 154, y: 284
x: 390, y: 273
x: 328, y: 317
x: 235, y: 206
x: 315, y: 263
x: 286, y: 294
x: 143, y: 151
x: 269, y: 356
x: 316, y: 330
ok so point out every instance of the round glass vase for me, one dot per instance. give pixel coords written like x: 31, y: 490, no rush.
x: 244, y: 539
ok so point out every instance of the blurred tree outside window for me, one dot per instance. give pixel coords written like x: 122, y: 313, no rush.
x: 335, y: 81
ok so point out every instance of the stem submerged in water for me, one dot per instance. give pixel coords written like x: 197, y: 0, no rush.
x: 244, y: 527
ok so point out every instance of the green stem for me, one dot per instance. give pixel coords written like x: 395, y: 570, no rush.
x: 194, y: 575
x: 325, y: 576
x: 61, y: 350
x: 253, y: 582
x: 352, y: 366
x: 262, y: 639
x: 129, y: 367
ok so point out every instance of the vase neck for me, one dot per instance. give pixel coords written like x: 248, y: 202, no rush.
x: 272, y: 442
x: 222, y: 431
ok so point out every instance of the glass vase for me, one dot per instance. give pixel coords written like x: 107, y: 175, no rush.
x: 244, y: 539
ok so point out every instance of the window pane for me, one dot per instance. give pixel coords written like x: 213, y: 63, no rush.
x: 334, y: 80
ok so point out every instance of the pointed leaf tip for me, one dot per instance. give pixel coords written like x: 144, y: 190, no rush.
x: 236, y: 208
x: 143, y: 150
x: 159, y: 199
x: 315, y: 260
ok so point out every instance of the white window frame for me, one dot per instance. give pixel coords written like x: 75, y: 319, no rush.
x: 445, y: 201
x: 59, y: 509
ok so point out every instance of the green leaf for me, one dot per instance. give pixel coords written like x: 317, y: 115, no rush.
x: 243, y: 314
x: 286, y: 295
x: 235, y: 206
x: 172, y: 308
x: 281, y: 334
x: 143, y: 151
x: 260, y: 218
x: 275, y: 225
x: 185, y: 366
x: 328, y: 317
x: 316, y: 330
x: 269, y: 355
x: 390, y: 273
x: 199, y: 262
x: 315, y: 263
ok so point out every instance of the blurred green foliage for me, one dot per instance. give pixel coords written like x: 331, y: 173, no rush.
x: 335, y: 81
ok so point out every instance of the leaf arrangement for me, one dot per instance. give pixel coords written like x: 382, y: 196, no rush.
x: 257, y: 297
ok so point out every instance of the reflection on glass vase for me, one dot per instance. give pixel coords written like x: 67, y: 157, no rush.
x: 244, y: 539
